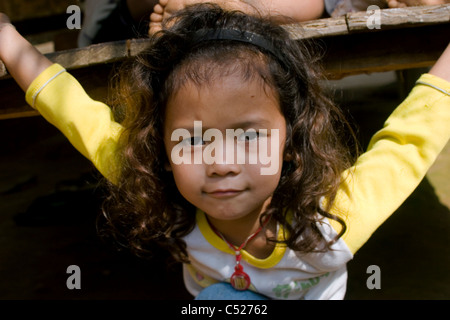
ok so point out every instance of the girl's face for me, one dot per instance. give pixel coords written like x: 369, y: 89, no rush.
x: 220, y: 183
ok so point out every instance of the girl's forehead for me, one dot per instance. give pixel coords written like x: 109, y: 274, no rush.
x: 219, y: 76
x: 226, y: 101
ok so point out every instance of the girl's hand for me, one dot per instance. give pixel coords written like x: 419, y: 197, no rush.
x: 4, y: 21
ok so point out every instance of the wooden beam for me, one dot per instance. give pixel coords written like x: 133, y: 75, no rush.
x: 408, y: 38
x: 401, y: 17
x: 355, y: 22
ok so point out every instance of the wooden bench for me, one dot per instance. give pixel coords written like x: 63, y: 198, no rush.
x: 408, y: 38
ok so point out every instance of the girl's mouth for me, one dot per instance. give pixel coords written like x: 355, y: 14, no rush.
x: 224, y: 193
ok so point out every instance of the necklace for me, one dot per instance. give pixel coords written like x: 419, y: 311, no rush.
x: 239, y: 279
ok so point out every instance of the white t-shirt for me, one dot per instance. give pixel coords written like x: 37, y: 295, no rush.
x: 285, y: 274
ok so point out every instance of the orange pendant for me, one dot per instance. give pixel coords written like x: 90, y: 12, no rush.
x: 239, y: 279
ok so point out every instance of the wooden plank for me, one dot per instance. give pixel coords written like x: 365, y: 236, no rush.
x: 99, y: 53
x: 357, y: 21
x: 318, y: 28
x: 400, y: 18
x: 92, y: 55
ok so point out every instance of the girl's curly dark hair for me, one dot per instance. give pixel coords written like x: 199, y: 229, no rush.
x: 144, y: 209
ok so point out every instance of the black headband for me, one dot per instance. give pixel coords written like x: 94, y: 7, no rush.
x: 237, y: 35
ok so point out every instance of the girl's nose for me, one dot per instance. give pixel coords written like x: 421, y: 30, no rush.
x: 223, y: 169
x: 223, y: 165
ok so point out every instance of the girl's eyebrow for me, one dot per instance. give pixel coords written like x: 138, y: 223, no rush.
x: 256, y: 123
x: 249, y: 124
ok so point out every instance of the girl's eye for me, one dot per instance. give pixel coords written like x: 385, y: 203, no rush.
x: 249, y: 136
x: 194, y: 141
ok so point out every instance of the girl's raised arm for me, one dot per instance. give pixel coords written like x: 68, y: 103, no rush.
x: 23, y: 61
x: 398, y: 156
x: 61, y: 100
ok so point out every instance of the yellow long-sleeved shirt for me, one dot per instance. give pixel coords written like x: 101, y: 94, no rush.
x: 396, y: 160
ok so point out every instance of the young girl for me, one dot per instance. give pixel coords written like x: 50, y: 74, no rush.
x: 239, y: 233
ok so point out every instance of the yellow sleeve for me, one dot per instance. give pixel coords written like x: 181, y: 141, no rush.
x: 397, y: 159
x: 89, y: 125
